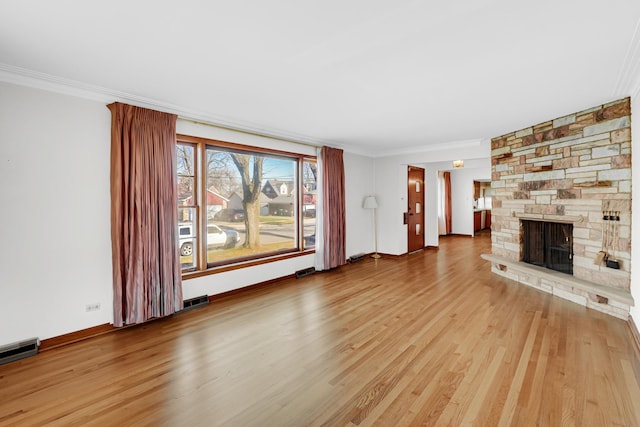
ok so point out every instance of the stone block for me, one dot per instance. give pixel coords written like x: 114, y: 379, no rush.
x: 544, y: 126
x: 499, y: 142
x: 542, y: 151
x: 536, y: 160
x: 584, y: 182
x: 500, y: 151
x: 558, y: 184
x: 524, y: 132
x: 614, y: 111
x: 606, y: 151
x: 592, y: 183
x: 544, y: 209
x: 614, y: 174
x: 535, y: 138
x: 624, y: 187
x: 562, y: 143
x: 569, y: 194
x: 543, y: 200
x: 621, y: 161
x: 596, y: 192
x: 590, y: 174
x: 521, y: 195
x: 588, y: 168
x: 584, y: 119
x: 543, y: 176
x: 591, y: 162
x: 607, y: 126
x: 556, y: 133
x: 568, y: 295
x: 621, y: 135
x: 540, y: 167
x: 581, y: 233
x: 564, y: 120
x: 566, y: 163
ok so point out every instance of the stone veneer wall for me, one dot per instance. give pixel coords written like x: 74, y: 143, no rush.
x: 568, y: 170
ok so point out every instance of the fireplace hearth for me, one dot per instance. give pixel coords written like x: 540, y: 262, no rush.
x: 548, y: 244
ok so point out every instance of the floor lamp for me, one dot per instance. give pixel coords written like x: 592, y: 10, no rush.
x: 370, y: 202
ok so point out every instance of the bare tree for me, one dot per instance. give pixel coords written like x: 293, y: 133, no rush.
x: 250, y: 168
x: 221, y: 175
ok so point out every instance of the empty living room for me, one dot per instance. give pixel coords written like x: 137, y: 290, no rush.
x: 319, y: 213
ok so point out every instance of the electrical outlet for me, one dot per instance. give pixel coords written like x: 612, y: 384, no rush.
x: 92, y: 307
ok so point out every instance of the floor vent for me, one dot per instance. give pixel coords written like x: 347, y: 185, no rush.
x: 19, y: 350
x: 356, y: 258
x: 305, y: 272
x: 191, y: 303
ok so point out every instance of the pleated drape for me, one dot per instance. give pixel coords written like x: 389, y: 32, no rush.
x: 333, y: 209
x: 147, y: 280
x: 447, y: 202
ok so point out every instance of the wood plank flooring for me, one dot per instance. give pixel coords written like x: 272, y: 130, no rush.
x: 429, y: 339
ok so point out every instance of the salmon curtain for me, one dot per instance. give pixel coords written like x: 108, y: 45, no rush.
x: 147, y: 281
x: 333, y: 250
x: 447, y: 202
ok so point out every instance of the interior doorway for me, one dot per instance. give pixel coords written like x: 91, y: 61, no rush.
x: 415, y: 208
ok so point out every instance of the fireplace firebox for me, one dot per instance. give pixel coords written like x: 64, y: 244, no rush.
x: 548, y: 244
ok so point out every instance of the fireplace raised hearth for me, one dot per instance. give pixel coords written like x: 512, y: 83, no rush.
x: 548, y: 244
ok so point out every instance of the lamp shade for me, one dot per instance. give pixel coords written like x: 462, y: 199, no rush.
x: 370, y: 202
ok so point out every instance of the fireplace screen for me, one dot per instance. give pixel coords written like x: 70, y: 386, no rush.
x: 548, y: 244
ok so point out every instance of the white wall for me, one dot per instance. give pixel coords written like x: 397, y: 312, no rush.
x: 391, y: 185
x: 635, y: 203
x: 462, y: 197
x: 55, y: 222
x: 359, y: 175
x: 55, y: 256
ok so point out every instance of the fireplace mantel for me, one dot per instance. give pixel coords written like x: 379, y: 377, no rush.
x: 617, y: 303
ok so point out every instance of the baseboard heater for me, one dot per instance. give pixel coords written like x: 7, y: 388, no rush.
x: 19, y: 350
x: 191, y: 303
x: 305, y: 272
x: 356, y: 258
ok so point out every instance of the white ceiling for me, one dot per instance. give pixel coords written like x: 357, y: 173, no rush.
x: 372, y: 76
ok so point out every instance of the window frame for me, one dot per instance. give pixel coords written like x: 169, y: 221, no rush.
x: 202, y: 266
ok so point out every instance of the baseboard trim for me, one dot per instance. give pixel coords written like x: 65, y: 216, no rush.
x: 95, y: 331
x: 634, y: 333
x: 72, y: 337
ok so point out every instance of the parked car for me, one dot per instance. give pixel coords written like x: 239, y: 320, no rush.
x: 216, y: 237
x: 230, y: 215
x: 310, y: 241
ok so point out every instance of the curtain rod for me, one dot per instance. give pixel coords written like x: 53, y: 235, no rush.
x: 247, y: 132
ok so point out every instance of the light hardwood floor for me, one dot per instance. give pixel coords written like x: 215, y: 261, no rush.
x: 429, y: 339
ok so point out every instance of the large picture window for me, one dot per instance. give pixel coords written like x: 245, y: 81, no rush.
x: 239, y: 204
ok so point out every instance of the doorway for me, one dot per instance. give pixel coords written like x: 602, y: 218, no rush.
x: 415, y: 208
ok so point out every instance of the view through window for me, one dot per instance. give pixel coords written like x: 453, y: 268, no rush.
x: 238, y: 203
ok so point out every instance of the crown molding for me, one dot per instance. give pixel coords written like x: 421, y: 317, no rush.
x: 452, y: 145
x: 47, y: 82
x: 34, y: 79
x: 629, y: 78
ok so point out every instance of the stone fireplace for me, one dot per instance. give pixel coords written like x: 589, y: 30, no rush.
x: 568, y: 171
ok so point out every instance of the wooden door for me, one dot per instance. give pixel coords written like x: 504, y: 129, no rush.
x: 415, y: 208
